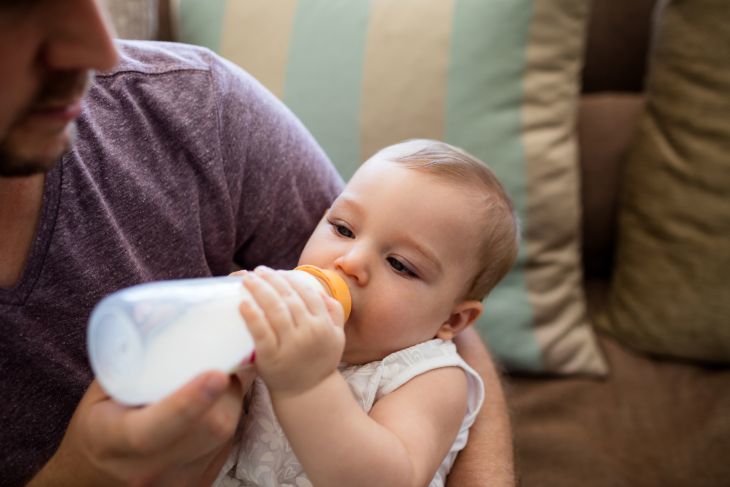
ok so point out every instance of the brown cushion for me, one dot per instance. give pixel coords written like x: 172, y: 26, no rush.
x: 601, y: 160
x: 652, y: 422
x: 671, y: 282
x: 618, y: 38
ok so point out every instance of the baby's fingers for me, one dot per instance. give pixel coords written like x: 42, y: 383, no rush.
x: 290, y: 299
x: 311, y: 296
x: 265, y: 339
x: 334, y: 309
x: 275, y: 304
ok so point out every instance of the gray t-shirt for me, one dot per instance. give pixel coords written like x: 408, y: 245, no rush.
x: 183, y: 163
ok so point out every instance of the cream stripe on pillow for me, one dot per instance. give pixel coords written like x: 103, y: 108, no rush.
x: 421, y: 49
x: 267, y: 24
x: 554, y: 280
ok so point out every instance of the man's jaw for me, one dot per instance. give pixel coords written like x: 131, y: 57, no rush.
x: 23, y: 156
x: 45, y: 130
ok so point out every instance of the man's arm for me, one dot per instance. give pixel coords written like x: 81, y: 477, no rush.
x: 488, y: 457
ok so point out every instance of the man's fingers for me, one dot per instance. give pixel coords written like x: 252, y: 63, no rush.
x: 167, y: 443
x: 216, y: 427
x: 94, y: 393
x: 158, y: 426
x: 103, y: 421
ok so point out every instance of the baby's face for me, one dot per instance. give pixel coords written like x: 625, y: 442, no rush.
x: 406, y: 244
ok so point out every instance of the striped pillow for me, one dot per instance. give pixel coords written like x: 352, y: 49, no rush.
x: 498, y: 78
x: 134, y: 19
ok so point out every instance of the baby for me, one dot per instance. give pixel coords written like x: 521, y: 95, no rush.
x: 421, y: 234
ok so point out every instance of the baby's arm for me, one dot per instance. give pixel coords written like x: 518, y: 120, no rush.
x: 401, y: 443
x: 403, y: 440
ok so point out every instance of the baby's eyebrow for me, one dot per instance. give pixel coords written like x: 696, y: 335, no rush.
x: 349, y: 203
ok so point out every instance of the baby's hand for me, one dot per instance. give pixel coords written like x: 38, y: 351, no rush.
x: 297, y: 329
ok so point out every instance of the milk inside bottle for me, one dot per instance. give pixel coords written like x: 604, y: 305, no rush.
x: 148, y: 340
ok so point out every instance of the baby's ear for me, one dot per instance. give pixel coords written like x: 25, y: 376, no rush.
x: 463, y: 315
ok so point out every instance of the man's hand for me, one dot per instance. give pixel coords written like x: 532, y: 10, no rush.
x: 182, y: 440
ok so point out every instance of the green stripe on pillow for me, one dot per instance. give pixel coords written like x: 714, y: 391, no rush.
x: 325, y: 45
x: 201, y: 22
x: 495, y: 139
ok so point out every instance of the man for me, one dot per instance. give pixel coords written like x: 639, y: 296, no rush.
x: 171, y: 163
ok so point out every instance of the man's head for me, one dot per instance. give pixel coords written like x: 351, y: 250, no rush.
x: 414, y: 235
x: 48, y: 50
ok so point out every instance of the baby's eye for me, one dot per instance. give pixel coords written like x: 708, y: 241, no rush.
x: 400, y: 267
x: 343, y: 230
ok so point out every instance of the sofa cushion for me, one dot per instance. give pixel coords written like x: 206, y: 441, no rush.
x: 670, y: 289
x: 496, y: 78
x: 618, y: 38
x: 601, y: 163
x: 653, y: 422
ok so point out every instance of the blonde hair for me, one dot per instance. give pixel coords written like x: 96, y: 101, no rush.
x: 500, y: 243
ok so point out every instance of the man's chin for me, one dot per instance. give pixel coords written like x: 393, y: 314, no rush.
x: 29, y: 160
x: 23, y: 169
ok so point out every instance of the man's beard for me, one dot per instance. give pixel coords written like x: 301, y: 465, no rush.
x: 15, y: 165
x: 59, y: 86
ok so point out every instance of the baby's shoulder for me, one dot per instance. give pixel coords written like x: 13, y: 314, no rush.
x: 403, y: 365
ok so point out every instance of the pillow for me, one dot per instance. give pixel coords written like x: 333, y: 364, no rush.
x: 497, y: 78
x: 134, y: 19
x: 671, y: 285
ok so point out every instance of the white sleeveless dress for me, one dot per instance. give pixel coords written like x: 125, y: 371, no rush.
x: 264, y: 457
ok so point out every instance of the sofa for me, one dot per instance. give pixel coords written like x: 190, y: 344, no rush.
x: 654, y: 420
x: 651, y: 419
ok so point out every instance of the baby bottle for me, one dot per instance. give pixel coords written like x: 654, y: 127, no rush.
x: 148, y: 340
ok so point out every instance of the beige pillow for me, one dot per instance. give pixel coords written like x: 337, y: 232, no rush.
x: 134, y: 19
x: 497, y: 78
x: 671, y: 288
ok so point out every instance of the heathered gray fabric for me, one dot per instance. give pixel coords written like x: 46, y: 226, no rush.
x: 182, y: 163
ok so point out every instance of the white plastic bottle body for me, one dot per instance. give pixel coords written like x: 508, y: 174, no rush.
x: 147, y: 341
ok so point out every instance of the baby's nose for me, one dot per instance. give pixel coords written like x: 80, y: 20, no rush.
x: 354, y: 266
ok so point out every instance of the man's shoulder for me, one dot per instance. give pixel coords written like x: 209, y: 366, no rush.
x: 156, y: 57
